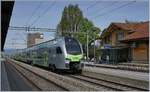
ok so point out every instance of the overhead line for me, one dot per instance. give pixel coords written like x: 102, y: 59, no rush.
x: 34, y: 12
x: 105, y: 7
x: 16, y: 43
x: 22, y: 37
x: 35, y: 21
x: 114, y: 9
x: 31, y: 29
x: 97, y: 2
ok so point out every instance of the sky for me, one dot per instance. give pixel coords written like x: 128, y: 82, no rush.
x: 47, y: 14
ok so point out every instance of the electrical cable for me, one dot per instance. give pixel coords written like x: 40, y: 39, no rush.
x: 103, y: 8
x: 34, y: 12
x: 114, y: 9
x: 46, y: 10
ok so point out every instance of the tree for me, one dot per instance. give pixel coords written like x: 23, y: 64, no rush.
x: 72, y: 20
x: 88, y: 27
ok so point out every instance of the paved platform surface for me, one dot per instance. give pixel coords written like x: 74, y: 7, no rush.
x: 4, y: 79
x: 11, y: 80
x: 120, y: 73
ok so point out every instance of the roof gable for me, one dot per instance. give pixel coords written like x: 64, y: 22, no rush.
x: 139, y: 29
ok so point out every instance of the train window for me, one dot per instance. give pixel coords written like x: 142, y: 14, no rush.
x: 58, y: 50
x: 49, y: 50
x: 72, y: 46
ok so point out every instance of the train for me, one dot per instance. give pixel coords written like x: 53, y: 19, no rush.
x: 63, y: 53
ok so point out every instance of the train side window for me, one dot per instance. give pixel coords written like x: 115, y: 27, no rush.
x: 58, y: 50
x: 49, y: 50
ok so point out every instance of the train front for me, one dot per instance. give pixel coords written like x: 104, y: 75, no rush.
x: 73, y: 58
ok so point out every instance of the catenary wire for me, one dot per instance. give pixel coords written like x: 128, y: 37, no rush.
x: 114, y: 9
x: 46, y: 10
x: 34, y: 12
x: 103, y: 8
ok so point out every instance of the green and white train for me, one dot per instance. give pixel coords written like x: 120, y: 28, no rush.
x: 64, y: 53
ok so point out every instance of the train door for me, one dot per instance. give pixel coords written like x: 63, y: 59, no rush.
x: 52, y: 59
x: 50, y: 56
x: 59, y: 59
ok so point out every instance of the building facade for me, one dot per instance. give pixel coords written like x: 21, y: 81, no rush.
x: 34, y: 38
x: 134, y: 36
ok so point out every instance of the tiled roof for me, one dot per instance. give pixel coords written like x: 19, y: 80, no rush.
x: 141, y: 32
x: 128, y: 26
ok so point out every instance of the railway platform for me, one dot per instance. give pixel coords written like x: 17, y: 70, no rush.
x: 122, y: 66
x: 11, y: 80
x: 112, y: 70
x: 4, y: 79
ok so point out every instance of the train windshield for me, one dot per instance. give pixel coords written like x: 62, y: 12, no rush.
x: 72, y: 46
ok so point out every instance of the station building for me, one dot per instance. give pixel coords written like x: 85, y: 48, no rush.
x: 133, y: 36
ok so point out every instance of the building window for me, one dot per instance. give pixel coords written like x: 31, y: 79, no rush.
x: 119, y: 36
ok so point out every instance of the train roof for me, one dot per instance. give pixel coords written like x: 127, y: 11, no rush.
x: 55, y: 39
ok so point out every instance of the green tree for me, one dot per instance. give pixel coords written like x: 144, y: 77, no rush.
x: 88, y: 28
x: 72, y: 20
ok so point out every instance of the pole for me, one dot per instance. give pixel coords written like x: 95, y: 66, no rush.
x: 94, y: 47
x: 27, y: 31
x: 87, y: 48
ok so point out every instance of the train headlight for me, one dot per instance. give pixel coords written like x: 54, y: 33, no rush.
x: 67, y: 63
x: 67, y: 60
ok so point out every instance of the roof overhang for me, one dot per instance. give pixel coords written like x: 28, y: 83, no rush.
x: 135, y: 40
x: 6, y: 11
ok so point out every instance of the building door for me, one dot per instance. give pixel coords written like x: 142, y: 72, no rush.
x: 129, y: 55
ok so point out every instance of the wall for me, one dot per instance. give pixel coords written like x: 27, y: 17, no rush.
x: 140, y: 53
x: 113, y: 38
x: 114, y: 41
x: 31, y: 38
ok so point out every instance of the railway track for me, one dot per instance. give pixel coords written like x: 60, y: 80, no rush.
x: 64, y: 83
x: 76, y: 82
x: 108, y: 85
x: 38, y: 81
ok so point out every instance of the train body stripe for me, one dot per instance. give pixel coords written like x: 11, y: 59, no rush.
x: 74, y: 58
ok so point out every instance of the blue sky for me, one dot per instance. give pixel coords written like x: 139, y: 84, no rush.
x: 21, y: 16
